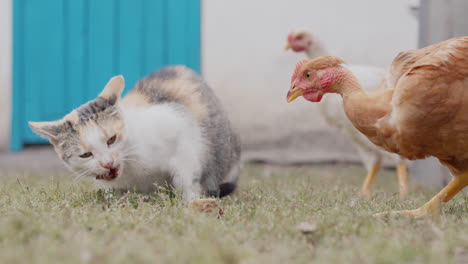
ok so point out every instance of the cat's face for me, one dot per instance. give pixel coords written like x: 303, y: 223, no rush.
x: 91, y: 139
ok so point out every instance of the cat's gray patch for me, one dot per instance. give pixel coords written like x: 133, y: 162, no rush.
x: 151, y: 85
x: 66, y: 146
x: 90, y: 110
x: 70, y: 127
x: 166, y: 73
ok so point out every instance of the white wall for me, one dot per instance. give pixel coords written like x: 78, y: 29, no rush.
x: 244, y: 60
x: 5, y: 71
x: 243, y: 55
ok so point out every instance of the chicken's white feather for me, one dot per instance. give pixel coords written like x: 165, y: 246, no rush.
x: 331, y: 106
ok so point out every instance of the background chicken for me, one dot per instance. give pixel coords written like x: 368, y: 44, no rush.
x: 424, y: 115
x: 332, y: 110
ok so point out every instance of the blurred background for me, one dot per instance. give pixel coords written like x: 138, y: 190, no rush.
x: 57, y: 54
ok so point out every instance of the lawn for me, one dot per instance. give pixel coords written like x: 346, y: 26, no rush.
x: 49, y: 218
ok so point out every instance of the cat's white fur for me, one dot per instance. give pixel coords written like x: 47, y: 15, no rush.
x: 155, y: 139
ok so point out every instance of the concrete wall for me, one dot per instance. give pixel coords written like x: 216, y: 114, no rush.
x: 5, y: 71
x: 441, y: 20
x: 243, y: 58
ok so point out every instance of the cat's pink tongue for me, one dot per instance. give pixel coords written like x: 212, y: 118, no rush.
x: 113, y: 173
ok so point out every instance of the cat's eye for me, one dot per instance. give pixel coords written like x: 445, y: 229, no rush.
x: 86, y: 155
x: 111, y: 140
x: 307, y: 74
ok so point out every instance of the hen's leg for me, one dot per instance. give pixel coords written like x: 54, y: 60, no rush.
x: 402, y: 178
x: 433, y: 207
x: 371, y: 173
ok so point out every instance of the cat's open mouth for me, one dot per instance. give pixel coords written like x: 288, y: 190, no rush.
x: 112, y: 174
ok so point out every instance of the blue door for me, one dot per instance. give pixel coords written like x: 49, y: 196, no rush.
x: 65, y: 51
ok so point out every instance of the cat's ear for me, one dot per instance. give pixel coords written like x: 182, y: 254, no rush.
x: 48, y: 130
x: 113, y: 89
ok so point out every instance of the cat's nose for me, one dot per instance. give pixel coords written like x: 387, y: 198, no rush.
x: 108, y: 165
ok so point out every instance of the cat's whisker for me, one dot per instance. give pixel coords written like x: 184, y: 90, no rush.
x: 126, y: 155
x: 78, y: 178
x: 133, y: 148
x: 81, y: 173
x: 133, y: 160
x: 129, y: 155
x: 128, y: 158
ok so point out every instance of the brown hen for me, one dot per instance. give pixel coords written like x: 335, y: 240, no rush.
x: 425, y: 113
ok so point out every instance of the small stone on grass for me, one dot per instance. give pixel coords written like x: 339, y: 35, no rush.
x: 306, y: 228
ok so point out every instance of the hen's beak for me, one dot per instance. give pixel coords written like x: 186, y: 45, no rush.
x: 294, y: 93
x: 288, y: 46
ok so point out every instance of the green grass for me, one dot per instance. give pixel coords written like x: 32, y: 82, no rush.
x: 47, y: 219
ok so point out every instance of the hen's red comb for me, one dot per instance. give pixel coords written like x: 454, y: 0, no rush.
x: 290, y: 36
x: 298, y: 68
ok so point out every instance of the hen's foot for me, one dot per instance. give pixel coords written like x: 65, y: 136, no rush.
x: 431, y: 210
x: 365, y: 193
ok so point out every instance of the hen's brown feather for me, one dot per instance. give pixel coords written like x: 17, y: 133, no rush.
x: 429, y: 106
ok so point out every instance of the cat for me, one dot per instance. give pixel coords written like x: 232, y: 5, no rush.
x: 169, y: 129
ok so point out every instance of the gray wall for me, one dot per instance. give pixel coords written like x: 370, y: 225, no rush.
x: 442, y: 19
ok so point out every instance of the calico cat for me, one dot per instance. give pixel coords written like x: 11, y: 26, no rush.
x: 169, y: 129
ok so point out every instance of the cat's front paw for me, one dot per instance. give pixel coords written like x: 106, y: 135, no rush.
x: 210, y: 206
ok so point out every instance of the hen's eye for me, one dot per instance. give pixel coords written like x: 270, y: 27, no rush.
x: 86, y: 155
x: 299, y: 37
x: 111, y: 140
x: 307, y: 74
